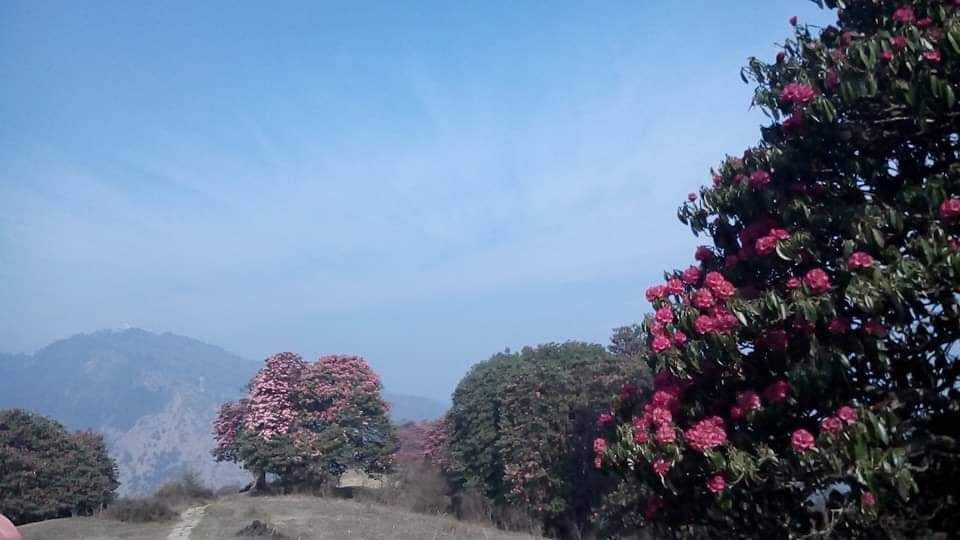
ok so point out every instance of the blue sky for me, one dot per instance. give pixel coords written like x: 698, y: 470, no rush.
x: 425, y: 183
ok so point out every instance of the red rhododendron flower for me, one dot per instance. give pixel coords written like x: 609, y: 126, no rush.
x: 640, y: 436
x: 704, y: 324
x: 876, y: 328
x: 716, y: 484
x: 817, y: 280
x: 660, y: 343
x: 797, y: 93
x: 766, y: 245
x: 715, y: 281
x: 665, y: 397
x: 899, y: 43
x: 662, y: 466
x: 831, y: 424
x: 759, y: 179
x: 691, y: 196
x: 679, y: 338
x: 703, y: 254
x: 950, y: 209
x: 904, y: 15
x: 794, y: 122
x: 605, y: 419
x: 780, y: 234
x: 724, y: 321
x: 794, y: 283
x: 924, y: 22
x: 706, y: 434
x: 867, y: 499
x: 665, y: 434
x: 703, y: 299
x: 777, y: 392
x: 932, y: 56
x: 656, y: 292
x: 886, y: 56
x: 840, y: 325
x: 859, y: 260
x: 657, y: 328
x: 665, y: 315
x: 748, y: 400
x: 691, y: 275
x: 736, y: 412
x: 660, y: 416
x: 674, y: 286
x: 847, y: 413
x: 802, y: 440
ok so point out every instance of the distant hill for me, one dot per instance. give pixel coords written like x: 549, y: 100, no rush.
x: 414, y: 408
x: 154, y: 396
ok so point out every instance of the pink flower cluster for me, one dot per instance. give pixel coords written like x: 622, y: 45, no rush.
x: 797, y: 94
x: 706, y: 434
x: 761, y: 238
x: 270, y: 412
x: 950, y: 209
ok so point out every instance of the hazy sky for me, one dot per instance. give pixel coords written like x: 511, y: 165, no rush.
x: 424, y: 184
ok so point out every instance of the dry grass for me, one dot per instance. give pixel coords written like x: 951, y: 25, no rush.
x: 304, y: 517
x: 94, y: 528
x: 299, y: 517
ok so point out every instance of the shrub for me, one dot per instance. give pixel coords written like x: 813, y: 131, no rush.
x: 141, y: 510
x: 187, y: 488
x: 809, y: 357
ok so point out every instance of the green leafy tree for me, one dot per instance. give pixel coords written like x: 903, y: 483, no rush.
x: 522, y: 426
x: 807, y: 364
x: 47, y: 472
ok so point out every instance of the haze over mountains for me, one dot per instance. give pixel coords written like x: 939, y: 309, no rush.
x: 153, y: 396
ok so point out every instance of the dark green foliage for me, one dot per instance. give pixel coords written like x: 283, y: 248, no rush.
x: 46, y: 472
x: 522, y: 426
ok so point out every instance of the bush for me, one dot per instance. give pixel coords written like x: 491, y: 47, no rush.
x: 809, y: 357
x: 418, y: 488
x: 187, y: 488
x: 141, y: 510
x: 47, y: 472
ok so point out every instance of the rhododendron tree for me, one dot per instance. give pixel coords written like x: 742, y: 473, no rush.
x: 308, y: 423
x: 521, y: 430
x: 816, y: 389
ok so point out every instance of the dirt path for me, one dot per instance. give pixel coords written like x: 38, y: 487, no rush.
x: 188, y: 520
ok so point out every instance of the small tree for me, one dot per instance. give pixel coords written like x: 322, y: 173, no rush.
x: 46, y: 472
x: 807, y: 364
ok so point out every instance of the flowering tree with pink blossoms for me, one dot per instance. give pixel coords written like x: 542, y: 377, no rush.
x: 308, y: 423
x: 808, y: 380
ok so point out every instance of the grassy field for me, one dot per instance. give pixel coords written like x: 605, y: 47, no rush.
x: 296, y: 516
x: 91, y: 528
